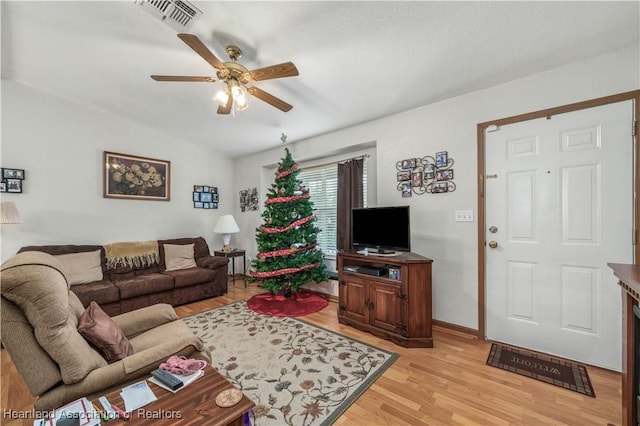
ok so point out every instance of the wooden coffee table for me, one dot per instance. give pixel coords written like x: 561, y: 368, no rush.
x: 193, y: 405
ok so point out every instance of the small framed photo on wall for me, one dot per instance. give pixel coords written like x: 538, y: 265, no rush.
x: 409, y: 163
x: 440, y: 187
x: 416, y: 179
x: 406, y: 189
x: 441, y: 159
x: 13, y: 185
x: 13, y: 174
x: 404, y: 176
x: 444, y: 174
x: 429, y: 171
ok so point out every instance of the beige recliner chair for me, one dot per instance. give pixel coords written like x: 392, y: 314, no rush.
x: 39, y: 330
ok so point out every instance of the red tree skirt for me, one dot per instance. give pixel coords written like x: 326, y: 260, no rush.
x: 300, y: 303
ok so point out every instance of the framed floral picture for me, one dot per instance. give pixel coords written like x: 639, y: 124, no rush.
x: 139, y: 178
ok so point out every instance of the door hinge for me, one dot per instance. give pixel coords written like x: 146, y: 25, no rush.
x: 401, y: 326
x: 343, y: 282
x: 342, y: 307
x: 634, y: 237
x: 634, y: 129
x: 401, y: 295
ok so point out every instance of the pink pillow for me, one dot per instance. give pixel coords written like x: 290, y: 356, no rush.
x: 100, y: 330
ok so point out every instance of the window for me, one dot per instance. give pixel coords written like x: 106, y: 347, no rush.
x: 322, y: 182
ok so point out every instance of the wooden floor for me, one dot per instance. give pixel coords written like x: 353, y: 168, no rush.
x: 448, y: 384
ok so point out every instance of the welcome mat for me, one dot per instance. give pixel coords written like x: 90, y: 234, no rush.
x: 541, y: 367
x: 295, y: 372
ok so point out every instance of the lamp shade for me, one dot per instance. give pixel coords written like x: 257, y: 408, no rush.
x: 226, y: 224
x: 9, y: 212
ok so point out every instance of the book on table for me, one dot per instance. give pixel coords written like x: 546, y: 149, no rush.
x: 184, y: 379
x: 80, y: 412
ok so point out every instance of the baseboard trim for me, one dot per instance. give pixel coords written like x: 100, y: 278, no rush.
x: 329, y: 297
x: 456, y: 328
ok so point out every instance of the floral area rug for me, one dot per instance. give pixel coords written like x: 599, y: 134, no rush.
x: 295, y: 372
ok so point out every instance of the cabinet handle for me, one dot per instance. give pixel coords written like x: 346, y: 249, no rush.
x: 401, y: 295
x: 343, y: 282
x: 342, y: 307
x: 401, y: 326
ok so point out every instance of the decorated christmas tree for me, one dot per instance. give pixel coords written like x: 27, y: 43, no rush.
x: 287, y: 254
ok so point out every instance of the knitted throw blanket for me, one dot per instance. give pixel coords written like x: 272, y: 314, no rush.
x: 138, y: 254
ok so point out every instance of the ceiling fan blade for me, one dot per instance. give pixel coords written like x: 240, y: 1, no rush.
x: 227, y: 108
x: 182, y: 78
x: 269, y: 98
x: 202, y: 50
x: 286, y: 69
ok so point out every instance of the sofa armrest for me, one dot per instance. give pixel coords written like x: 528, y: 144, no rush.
x: 143, y: 319
x: 212, y: 262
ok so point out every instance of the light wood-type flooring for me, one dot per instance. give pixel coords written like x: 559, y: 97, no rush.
x: 449, y: 384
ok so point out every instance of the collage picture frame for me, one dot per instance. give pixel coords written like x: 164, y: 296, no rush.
x: 426, y: 175
x: 12, y: 180
x: 205, y: 197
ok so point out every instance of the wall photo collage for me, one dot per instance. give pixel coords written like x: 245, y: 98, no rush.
x: 426, y: 175
x: 11, y: 180
x: 205, y: 197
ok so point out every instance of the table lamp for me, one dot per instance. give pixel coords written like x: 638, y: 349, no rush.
x: 226, y: 225
x: 9, y: 212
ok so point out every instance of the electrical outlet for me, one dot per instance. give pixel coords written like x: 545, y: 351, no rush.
x: 464, y: 215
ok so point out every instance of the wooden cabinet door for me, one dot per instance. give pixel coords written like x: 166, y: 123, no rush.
x: 386, y: 307
x: 356, y: 298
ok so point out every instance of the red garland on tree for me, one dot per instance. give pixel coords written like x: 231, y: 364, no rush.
x: 287, y: 254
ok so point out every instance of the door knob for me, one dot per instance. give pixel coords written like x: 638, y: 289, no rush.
x: 493, y: 244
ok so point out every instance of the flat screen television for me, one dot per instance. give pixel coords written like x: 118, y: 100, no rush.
x: 384, y: 229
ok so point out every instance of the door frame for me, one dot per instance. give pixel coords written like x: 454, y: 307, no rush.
x: 633, y: 95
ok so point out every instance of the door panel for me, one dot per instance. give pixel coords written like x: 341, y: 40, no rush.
x: 386, y: 310
x: 356, y: 295
x: 559, y: 190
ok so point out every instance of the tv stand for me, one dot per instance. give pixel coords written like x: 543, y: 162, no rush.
x: 395, y: 305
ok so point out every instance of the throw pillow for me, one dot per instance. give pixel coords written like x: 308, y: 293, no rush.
x: 100, y: 330
x: 178, y: 256
x: 81, y: 268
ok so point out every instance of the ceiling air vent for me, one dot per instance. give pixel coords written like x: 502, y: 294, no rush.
x: 178, y: 14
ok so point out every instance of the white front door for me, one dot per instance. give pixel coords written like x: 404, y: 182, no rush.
x: 559, y: 206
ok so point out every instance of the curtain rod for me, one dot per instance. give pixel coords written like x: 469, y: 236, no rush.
x: 360, y: 157
x: 337, y: 162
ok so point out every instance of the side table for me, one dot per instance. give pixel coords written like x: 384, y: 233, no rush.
x: 233, y: 254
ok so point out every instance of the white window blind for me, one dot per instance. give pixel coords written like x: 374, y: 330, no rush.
x: 322, y: 182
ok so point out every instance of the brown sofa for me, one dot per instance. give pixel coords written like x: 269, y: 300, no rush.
x: 40, y: 319
x: 125, y: 288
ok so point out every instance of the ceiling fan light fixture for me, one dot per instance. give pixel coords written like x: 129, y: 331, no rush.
x: 241, y: 103
x: 239, y: 94
x: 222, y: 96
x: 232, y: 73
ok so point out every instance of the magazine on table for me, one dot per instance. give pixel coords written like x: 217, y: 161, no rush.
x: 184, y: 379
x: 80, y: 411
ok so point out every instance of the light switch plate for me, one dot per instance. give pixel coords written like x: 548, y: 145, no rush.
x: 464, y: 215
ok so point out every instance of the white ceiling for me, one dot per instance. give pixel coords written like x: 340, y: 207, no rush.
x: 358, y: 61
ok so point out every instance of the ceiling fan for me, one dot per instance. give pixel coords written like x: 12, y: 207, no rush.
x: 235, y: 76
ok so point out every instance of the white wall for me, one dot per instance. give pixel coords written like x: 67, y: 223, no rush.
x: 60, y: 145
x: 450, y: 126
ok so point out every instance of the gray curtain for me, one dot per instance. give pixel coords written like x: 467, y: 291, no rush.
x: 349, y: 197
